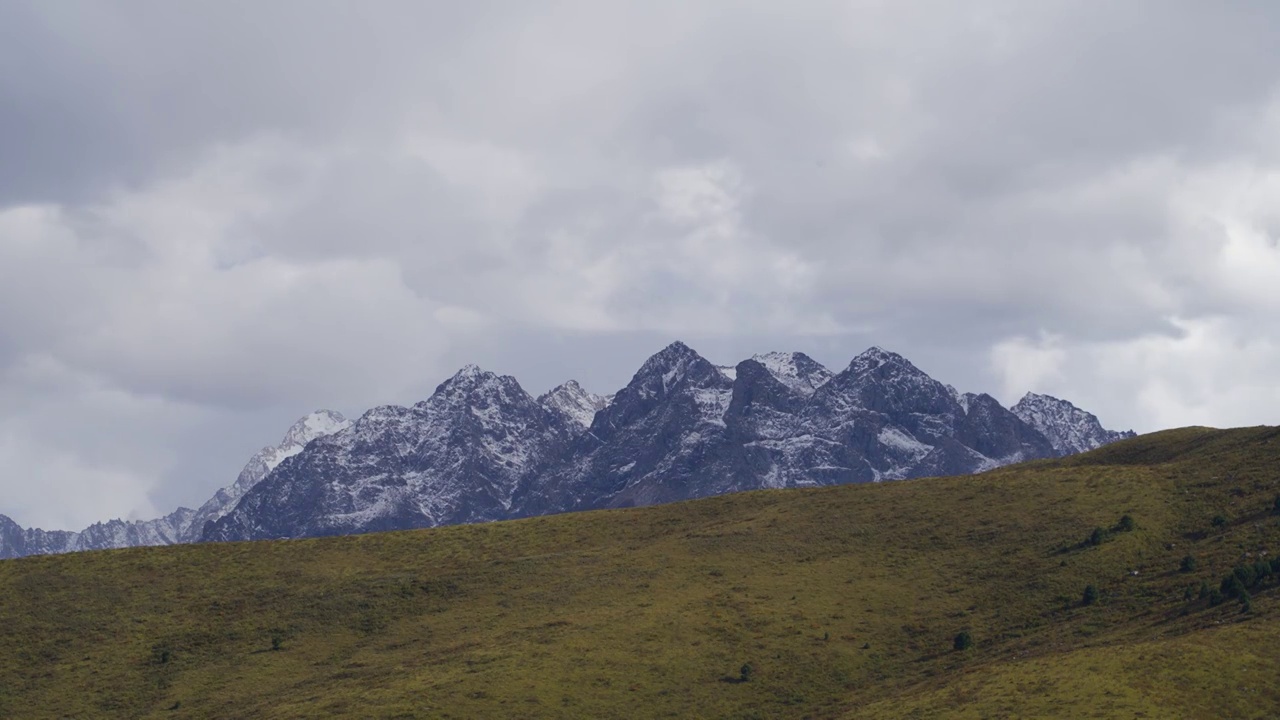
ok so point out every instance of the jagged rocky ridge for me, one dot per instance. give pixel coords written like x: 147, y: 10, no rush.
x: 481, y: 448
x: 1069, y: 429
x: 181, y: 526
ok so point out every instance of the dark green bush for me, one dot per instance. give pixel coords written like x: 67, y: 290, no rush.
x: 1127, y: 524
x: 1231, y: 586
x: 1188, y: 564
x: 1219, y: 521
x: 1247, y: 576
x: 963, y: 641
x: 1090, y: 595
x: 1097, y: 537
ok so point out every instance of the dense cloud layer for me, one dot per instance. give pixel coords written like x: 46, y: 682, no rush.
x: 216, y: 218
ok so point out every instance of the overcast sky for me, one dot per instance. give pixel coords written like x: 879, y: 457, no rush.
x: 218, y: 216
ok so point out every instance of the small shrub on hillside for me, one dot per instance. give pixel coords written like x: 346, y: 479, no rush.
x: 963, y: 641
x: 1231, y: 586
x: 1219, y: 521
x: 1204, y: 589
x: 1090, y: 595
x: 1097, y: 537
x: 1127, y: 524
x: 1188, y: 564
x: 1215, y: 597
x: 744, y: 673
x: 1275, y: 507
x: 1248, y: 577
x: 1246, y: 604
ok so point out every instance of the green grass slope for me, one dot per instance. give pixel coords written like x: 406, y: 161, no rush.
x: 844, y: 601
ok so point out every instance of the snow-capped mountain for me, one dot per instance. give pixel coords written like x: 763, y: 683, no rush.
x: 182, y: 525
x: 665, y: 427
x: 16, y: 541
x: 574, y: 404
x: 879, y: 419
x: 681, y: 428
x: 308, y: 428
x: 453, y: 458
x: 481, y: 448
x: 1070, y: 429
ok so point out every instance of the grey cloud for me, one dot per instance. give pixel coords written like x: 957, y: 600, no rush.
x: 223, y: 216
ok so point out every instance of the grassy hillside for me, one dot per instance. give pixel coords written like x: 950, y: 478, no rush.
x: 844, y: 602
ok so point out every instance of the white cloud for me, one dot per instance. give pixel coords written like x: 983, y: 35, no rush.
x: 1210, y: 371
x: 1027, y: 365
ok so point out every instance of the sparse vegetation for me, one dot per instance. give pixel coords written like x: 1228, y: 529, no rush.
x: 617, y: 613
x: 1090, y: 595
x: 1188, y: 564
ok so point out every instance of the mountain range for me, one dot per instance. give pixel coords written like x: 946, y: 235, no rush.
x: 481, y: 448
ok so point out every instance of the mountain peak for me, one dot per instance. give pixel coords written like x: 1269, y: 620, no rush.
x: 675, y: 362
x: 572, y: 402
x: 470, y: 377
x: 471, y: 371
x: 313, y: 425
x: 672, y: 353
x: 1033, y: 400
x: 877, y: 354
x: 795, y: 370
x: 1069, y: 429
x: 874, y: 358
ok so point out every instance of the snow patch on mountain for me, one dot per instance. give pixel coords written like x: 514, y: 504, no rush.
x: 895, y: 438
x: 797, y: 371
x: 712, y: 403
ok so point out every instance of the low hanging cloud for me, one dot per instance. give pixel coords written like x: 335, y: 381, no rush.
x: 215, y: 219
